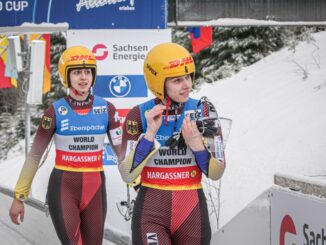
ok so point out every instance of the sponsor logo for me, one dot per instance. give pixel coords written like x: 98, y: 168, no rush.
x: 193, y: 174
x: 287, y: 226
x: 100, y: 51
x: 132, y: 127
x: 99, y: 109
x: 63, y: 110
x: 126, y: 86
x: 89, y: 4
x: 311, y: 236
x: 81, y: 57
x: 120, y: 86
x: 116, y: 136
x: 64, y: 125
x: 151, y: 69
x: 171, y: 118
x: 193, y: 114
x: 180, y: 62
x: 73, y: 158
x: 161, y: 137
x: 87, y: 128
x: 122, y: 115
x: 116, y: 117
x: 152, y: 238
x: 219, y: 147
x: 168, y: 175
x: 46, y: 122
x: 131, y: 6
x: 109, y: 157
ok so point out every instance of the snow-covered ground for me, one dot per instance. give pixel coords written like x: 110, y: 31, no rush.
x: 279, y: 121
x: 279, y: 125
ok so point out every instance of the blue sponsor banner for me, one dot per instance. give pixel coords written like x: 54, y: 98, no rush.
x: 120, y: 86
x: 86, y: 14
x: 109, y: 157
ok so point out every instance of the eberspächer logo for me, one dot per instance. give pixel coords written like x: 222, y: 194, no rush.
x: 120, y: 86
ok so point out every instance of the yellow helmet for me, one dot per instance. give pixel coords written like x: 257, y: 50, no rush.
x: 163, y: 61
x: 76, y: 57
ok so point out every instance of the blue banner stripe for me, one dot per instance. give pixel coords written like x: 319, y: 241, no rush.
x: 120, y: 86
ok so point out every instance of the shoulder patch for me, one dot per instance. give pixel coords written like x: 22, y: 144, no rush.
x: 132, y: 127
x: 46, y: 122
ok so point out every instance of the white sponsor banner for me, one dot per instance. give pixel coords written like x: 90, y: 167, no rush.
x: 79, y: 143
x: 169, y: 158
x: 297, y: 220
x: 119, y: 52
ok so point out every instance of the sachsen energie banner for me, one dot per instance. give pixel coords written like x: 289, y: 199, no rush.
x: 120, y: 57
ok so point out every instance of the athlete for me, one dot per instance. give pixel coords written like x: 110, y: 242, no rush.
x: 163, y: 143
x: 79, y: 123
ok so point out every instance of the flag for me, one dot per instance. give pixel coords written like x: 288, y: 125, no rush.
x: 6, y: 80
x: 47, y: 70
x: 201, y: 37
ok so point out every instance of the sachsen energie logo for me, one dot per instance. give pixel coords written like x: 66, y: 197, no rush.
x: 287, y: 226
x: 100, y: 51
x: 309, y: 235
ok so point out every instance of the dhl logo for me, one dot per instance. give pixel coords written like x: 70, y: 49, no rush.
x: 81, y: 57
x: 179, y: 62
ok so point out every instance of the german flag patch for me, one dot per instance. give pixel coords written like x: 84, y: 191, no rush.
x: 46, y: 122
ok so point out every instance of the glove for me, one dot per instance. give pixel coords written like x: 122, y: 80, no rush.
x: 207, y: 126
x: 176, y: 140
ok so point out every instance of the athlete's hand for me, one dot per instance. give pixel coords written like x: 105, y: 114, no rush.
x: 191, y: 135
x: 17, y: 211
x: 154, y: 121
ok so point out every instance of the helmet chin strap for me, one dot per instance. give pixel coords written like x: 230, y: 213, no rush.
x: 167, y: 105
x: 77, y: 93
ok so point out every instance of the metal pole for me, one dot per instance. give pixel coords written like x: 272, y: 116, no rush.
x: 27, y: 128
x: 25, y: 87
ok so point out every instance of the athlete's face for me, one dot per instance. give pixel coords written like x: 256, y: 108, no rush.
x: 178, y: 88
x: 81, y: 79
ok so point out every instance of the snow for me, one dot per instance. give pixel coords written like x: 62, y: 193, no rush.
x: 246, y: 22
x: 27, y: 27
x: 277, y: 106
x: 279, y: 122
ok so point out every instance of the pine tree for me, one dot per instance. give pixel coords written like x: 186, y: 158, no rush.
x: 236, y: 47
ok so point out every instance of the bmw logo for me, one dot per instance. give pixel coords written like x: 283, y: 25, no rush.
x: 120, y: 86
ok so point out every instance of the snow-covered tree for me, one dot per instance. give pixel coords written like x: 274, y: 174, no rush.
x: 236, y: 47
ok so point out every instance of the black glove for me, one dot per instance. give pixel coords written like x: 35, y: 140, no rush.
x: 207, y: 126
x: 176, y: 140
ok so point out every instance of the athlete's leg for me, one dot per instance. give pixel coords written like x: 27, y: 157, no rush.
x: 190, y: 223
x: 63, y: 200
x: 93, y: 208
x: 151, y: 217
